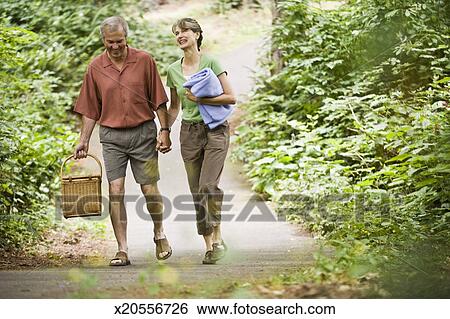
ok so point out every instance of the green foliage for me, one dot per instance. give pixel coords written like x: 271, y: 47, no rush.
x: 352, y: 136
x: 33, y: 139
x: 160, y: 43
x: 70, y: 34
x: 85, y: 283
x: 420, y: 270
x: 222, y: 6
x: 351, y: 260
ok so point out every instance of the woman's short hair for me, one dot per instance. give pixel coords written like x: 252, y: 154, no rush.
x: 189, y: 24
x: 113, y: 24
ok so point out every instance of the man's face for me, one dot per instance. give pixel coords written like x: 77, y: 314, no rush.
x: 115, y: 43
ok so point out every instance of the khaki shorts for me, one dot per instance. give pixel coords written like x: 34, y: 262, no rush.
x: 136, y: 144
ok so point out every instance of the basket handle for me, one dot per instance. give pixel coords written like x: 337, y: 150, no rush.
x: 71, y: 156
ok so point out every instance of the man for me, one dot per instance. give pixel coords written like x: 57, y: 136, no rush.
x: 122, y: 90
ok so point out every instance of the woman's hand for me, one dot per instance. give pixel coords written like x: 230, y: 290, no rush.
x: 191, y: 96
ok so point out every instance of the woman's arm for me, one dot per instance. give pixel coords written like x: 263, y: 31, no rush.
x: 226, y: 98
x: 174, y: 107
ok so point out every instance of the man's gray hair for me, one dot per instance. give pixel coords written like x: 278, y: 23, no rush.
x: 113, y: 24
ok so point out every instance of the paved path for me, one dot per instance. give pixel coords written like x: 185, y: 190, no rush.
x: 256, y: 248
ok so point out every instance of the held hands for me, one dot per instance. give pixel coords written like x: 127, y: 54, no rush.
x: 163, y: 142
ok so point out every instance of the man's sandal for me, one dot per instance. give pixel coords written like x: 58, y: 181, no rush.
x: 162, y: 245
x: 121, y: 259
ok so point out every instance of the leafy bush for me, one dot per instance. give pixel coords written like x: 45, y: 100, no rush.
x: 222, y: 6
x: 352, y: 136
x: 70, y: 34
x: 33, y: 139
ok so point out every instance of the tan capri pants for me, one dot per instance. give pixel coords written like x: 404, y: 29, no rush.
x: 204, y: 152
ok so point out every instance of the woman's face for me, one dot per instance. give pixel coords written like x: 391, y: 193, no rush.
x: 186, y: 38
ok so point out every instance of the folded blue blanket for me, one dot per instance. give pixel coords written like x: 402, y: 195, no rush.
x: 205, y: 83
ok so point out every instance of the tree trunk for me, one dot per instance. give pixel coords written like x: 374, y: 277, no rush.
x: 276, y: 52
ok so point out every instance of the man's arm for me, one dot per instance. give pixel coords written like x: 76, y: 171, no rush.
x: 82, y: 148
x: 88, y: 105
x: 163, y: 142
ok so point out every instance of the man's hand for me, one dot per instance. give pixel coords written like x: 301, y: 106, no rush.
x: 163, y: 142
x: 190, y: 96
x: 81, y: 150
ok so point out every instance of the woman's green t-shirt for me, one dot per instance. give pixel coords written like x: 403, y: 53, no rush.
x: 176, y: 79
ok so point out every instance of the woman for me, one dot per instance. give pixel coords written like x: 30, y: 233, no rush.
x: 203, y: 149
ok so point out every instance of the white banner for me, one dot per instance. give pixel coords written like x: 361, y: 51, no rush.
x: 220, y: 308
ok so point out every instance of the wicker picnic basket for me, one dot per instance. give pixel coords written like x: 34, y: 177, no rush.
x: 81, y: 195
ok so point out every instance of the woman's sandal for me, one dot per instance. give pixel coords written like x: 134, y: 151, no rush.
x: 121, y: 259
x: 208, y: 258
x: 218, y: 252
x: 162, y: 245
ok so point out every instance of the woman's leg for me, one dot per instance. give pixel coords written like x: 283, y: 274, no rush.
x: 193, y: 170
x: 193, y: 139
x: 204, y: 152
x: 213, y: 161
x: 212, y: 196
x: 217, y: 234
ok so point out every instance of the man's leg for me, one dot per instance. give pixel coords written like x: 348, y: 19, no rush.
x: 155, y: 208
x: 114, y: 143
x: 118, y: 213
x: 144, y: 165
